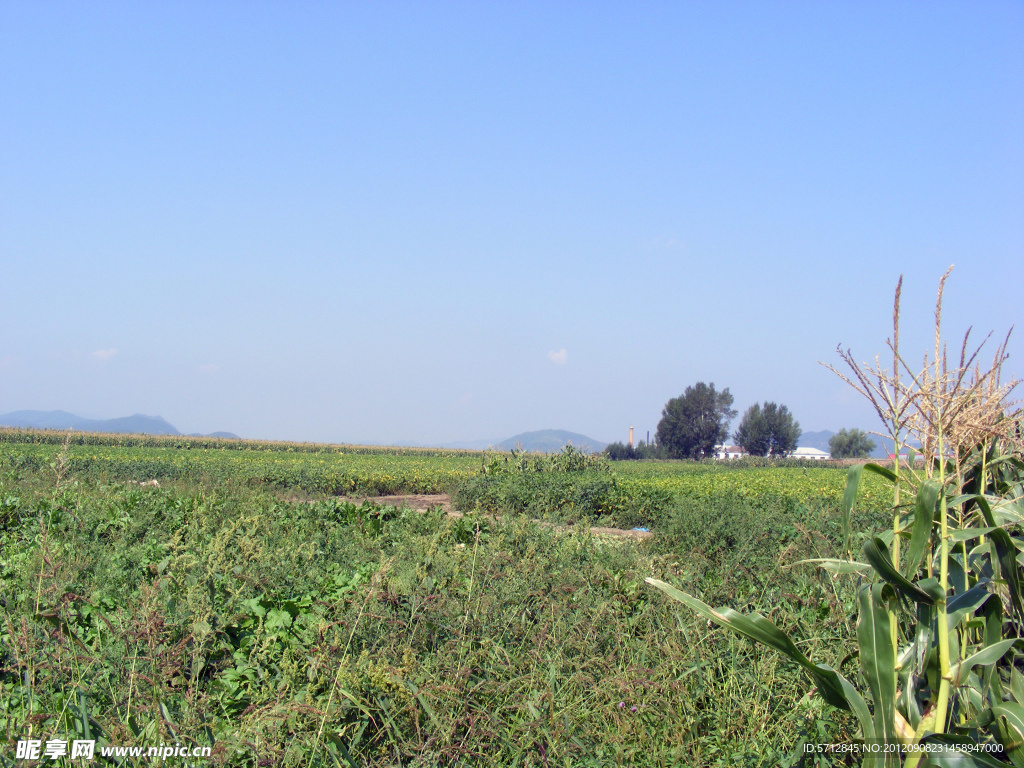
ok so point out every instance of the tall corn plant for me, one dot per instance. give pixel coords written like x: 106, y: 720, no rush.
x: 941, y: 593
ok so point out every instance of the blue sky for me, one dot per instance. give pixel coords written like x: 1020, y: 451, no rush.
x: 427, y: 222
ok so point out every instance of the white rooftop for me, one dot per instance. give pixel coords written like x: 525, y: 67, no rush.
x: 808, y: 453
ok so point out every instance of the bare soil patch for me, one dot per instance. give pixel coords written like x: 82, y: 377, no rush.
x: 417, y: 502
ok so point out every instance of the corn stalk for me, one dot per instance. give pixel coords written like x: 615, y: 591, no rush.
x: 941, y: 659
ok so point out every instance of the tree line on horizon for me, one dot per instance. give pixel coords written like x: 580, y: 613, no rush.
x: 697, y: 421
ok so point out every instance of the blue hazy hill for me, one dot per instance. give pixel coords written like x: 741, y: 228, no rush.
x: 551, y: 441
x: 137, y: 424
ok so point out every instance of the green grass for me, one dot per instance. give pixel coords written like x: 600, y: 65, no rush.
x: 627, y: 494
x: 295, y: 633
x: 333, y: 473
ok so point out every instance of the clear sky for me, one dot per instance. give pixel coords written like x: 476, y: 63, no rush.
x: 436, y: 221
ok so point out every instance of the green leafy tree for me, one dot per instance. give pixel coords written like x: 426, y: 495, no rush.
x: 852, y: 444
x: 622, y: 452
x: 768, y: 430
x: 695, y: 422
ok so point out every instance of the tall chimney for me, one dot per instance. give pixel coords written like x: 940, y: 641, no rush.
x: 630, y: 437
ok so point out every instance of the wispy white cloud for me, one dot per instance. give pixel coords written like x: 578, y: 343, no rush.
x: 558, y: 358
x: 103, y: 354
x: 210, y: 368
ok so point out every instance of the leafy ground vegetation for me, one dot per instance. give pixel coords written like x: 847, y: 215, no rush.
x: 333, y: 470
x: 243, y: 605
x: 571, y: 487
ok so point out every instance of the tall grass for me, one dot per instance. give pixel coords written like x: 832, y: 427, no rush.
x: 329, y: 633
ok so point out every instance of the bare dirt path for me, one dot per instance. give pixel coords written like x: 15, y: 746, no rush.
x: 423, y: 502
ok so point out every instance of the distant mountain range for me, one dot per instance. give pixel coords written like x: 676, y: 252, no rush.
x: 819, y: 440
x: 554, y: 440
x: 137, y: 424
x: 551, y: 441
x: 543, y: 441
x: 461, y: 445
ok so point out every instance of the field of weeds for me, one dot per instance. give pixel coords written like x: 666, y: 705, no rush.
x: 217, y: 612
x: 627, y: 494
x: 333, y: 470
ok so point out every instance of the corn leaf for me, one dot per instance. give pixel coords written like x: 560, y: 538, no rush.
x: 984, y: 657
x: 849, y: 498
x: 924, y: 514
x: 834, y: 565
x: 850, y: 495
x: 1007, y: 556
x: 911, y: 663
x: 1017, y: 686
x: 878, y: 660
x: 878, y: 469
x: 968, y: 534
x: 966, y: 603
x: 832, y: 686
x: 1011, y: 715
x: 1006, y: 512
x: 958, y: 753
x: 876, y: 553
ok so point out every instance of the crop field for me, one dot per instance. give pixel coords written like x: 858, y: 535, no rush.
x: 626, y: 493
x: 781, y: 487
x: 246, y: 604
x: 633, y: 493
x: 340, y: 471
x: 366, y: 470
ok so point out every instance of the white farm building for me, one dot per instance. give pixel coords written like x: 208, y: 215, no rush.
x: 735, y: 452
x: 812, y: 454
x: 729, y: 452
